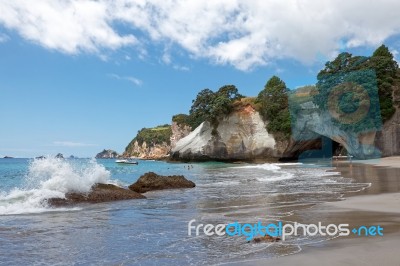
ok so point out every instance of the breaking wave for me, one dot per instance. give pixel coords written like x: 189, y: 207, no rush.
x: 49, y: 178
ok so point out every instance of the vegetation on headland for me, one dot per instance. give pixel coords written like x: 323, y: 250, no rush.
x: 152, y: 136
x: 274, y: 107
x: 210, y: 106
x: 272, y: 102
x: 379, y: 70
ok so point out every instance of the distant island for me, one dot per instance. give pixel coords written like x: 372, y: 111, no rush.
x: 107, y: 154
x: 8, y: 157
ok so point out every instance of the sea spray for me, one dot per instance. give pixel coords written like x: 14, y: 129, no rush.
x: 49, y: 178
x: 66, y: 176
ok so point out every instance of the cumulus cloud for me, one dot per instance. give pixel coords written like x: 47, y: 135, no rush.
x: 69, y: 26
x: 245, y: 34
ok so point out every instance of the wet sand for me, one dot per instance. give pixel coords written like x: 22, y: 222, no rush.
x: 377, y: 205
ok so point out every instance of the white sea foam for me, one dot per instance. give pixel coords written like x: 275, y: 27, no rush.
x: 287, y: 164
x: 283, y: 176
x: 265, y: 166
x: 49, y: 178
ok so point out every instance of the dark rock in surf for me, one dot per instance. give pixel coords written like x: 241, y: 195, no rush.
x: 151, y: 181
x: 266, y: 238
x: 99, y: 193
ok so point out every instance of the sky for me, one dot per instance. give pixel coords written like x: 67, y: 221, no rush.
x: 77, y: 77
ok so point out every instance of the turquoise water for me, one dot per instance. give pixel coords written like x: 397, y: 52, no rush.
x: 153, y: 231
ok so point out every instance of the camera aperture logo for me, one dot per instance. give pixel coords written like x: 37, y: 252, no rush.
x: 250, y: 231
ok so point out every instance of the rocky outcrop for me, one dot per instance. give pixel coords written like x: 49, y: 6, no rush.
x: 151, y: 181
x: 158, y: 151
x: 59, y: 156
x: 107, y: 154
x: 99, y: 193
x: 240, y: 136
x: 372, y: 141
x: 179, y: 131
x: 146, y: 152
x: 388, y: 139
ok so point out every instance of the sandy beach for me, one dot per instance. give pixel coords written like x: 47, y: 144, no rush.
x: 393, y: 161
x: 377, y: 205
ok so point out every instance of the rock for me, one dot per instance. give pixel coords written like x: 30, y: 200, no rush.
x: 266, y: 238
x: 179, y: 131
x: 242, y: 135
x: 157, y: 151
x: 99, y: 193
x: 107, y: 154
x: 388, y: 139
x: 59, y: 156
x: 151, y: 181
x: 148, y: 152
x: 40, y: 157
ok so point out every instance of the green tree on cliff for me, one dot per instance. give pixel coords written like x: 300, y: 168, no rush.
x: 345, y: 65
x: 385, y: 67
x: 274, y: 107
x: 210, y: 106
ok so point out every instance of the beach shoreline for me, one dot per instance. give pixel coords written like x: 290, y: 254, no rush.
x: 378, y: 204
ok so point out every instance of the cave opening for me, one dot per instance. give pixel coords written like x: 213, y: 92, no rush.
x: 338, y: 149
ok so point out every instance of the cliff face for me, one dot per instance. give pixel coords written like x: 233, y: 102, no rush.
x: 178, y: 132
x: 152, y: 151
x: 388, y: 140
x: 143, y: 151
x: 241, y: 136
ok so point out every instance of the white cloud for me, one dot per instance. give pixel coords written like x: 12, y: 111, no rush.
x: 245, y: 34
x: 68, y: 26
x: 166, y: 58
x: 181, y: 68
x: 72, y: 144
x: 395, y: 54
x: 134, y: 80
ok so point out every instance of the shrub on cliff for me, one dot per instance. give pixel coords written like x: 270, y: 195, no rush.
x: 274, y: 107
x: 152, y: 136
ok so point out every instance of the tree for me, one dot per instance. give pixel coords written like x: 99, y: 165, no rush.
x: 385, y: 67
x: 346, y: 67
x: 274, y: 107
x: 210, y: 106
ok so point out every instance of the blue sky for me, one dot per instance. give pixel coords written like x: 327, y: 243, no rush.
x: 80, y: 76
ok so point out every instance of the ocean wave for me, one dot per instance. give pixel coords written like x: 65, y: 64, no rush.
x: 284, y: 176
x: 50, y: 178
x: 288, y: 164
x: 265, y: 166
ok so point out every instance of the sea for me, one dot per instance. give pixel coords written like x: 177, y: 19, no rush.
x: 154, y: 231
